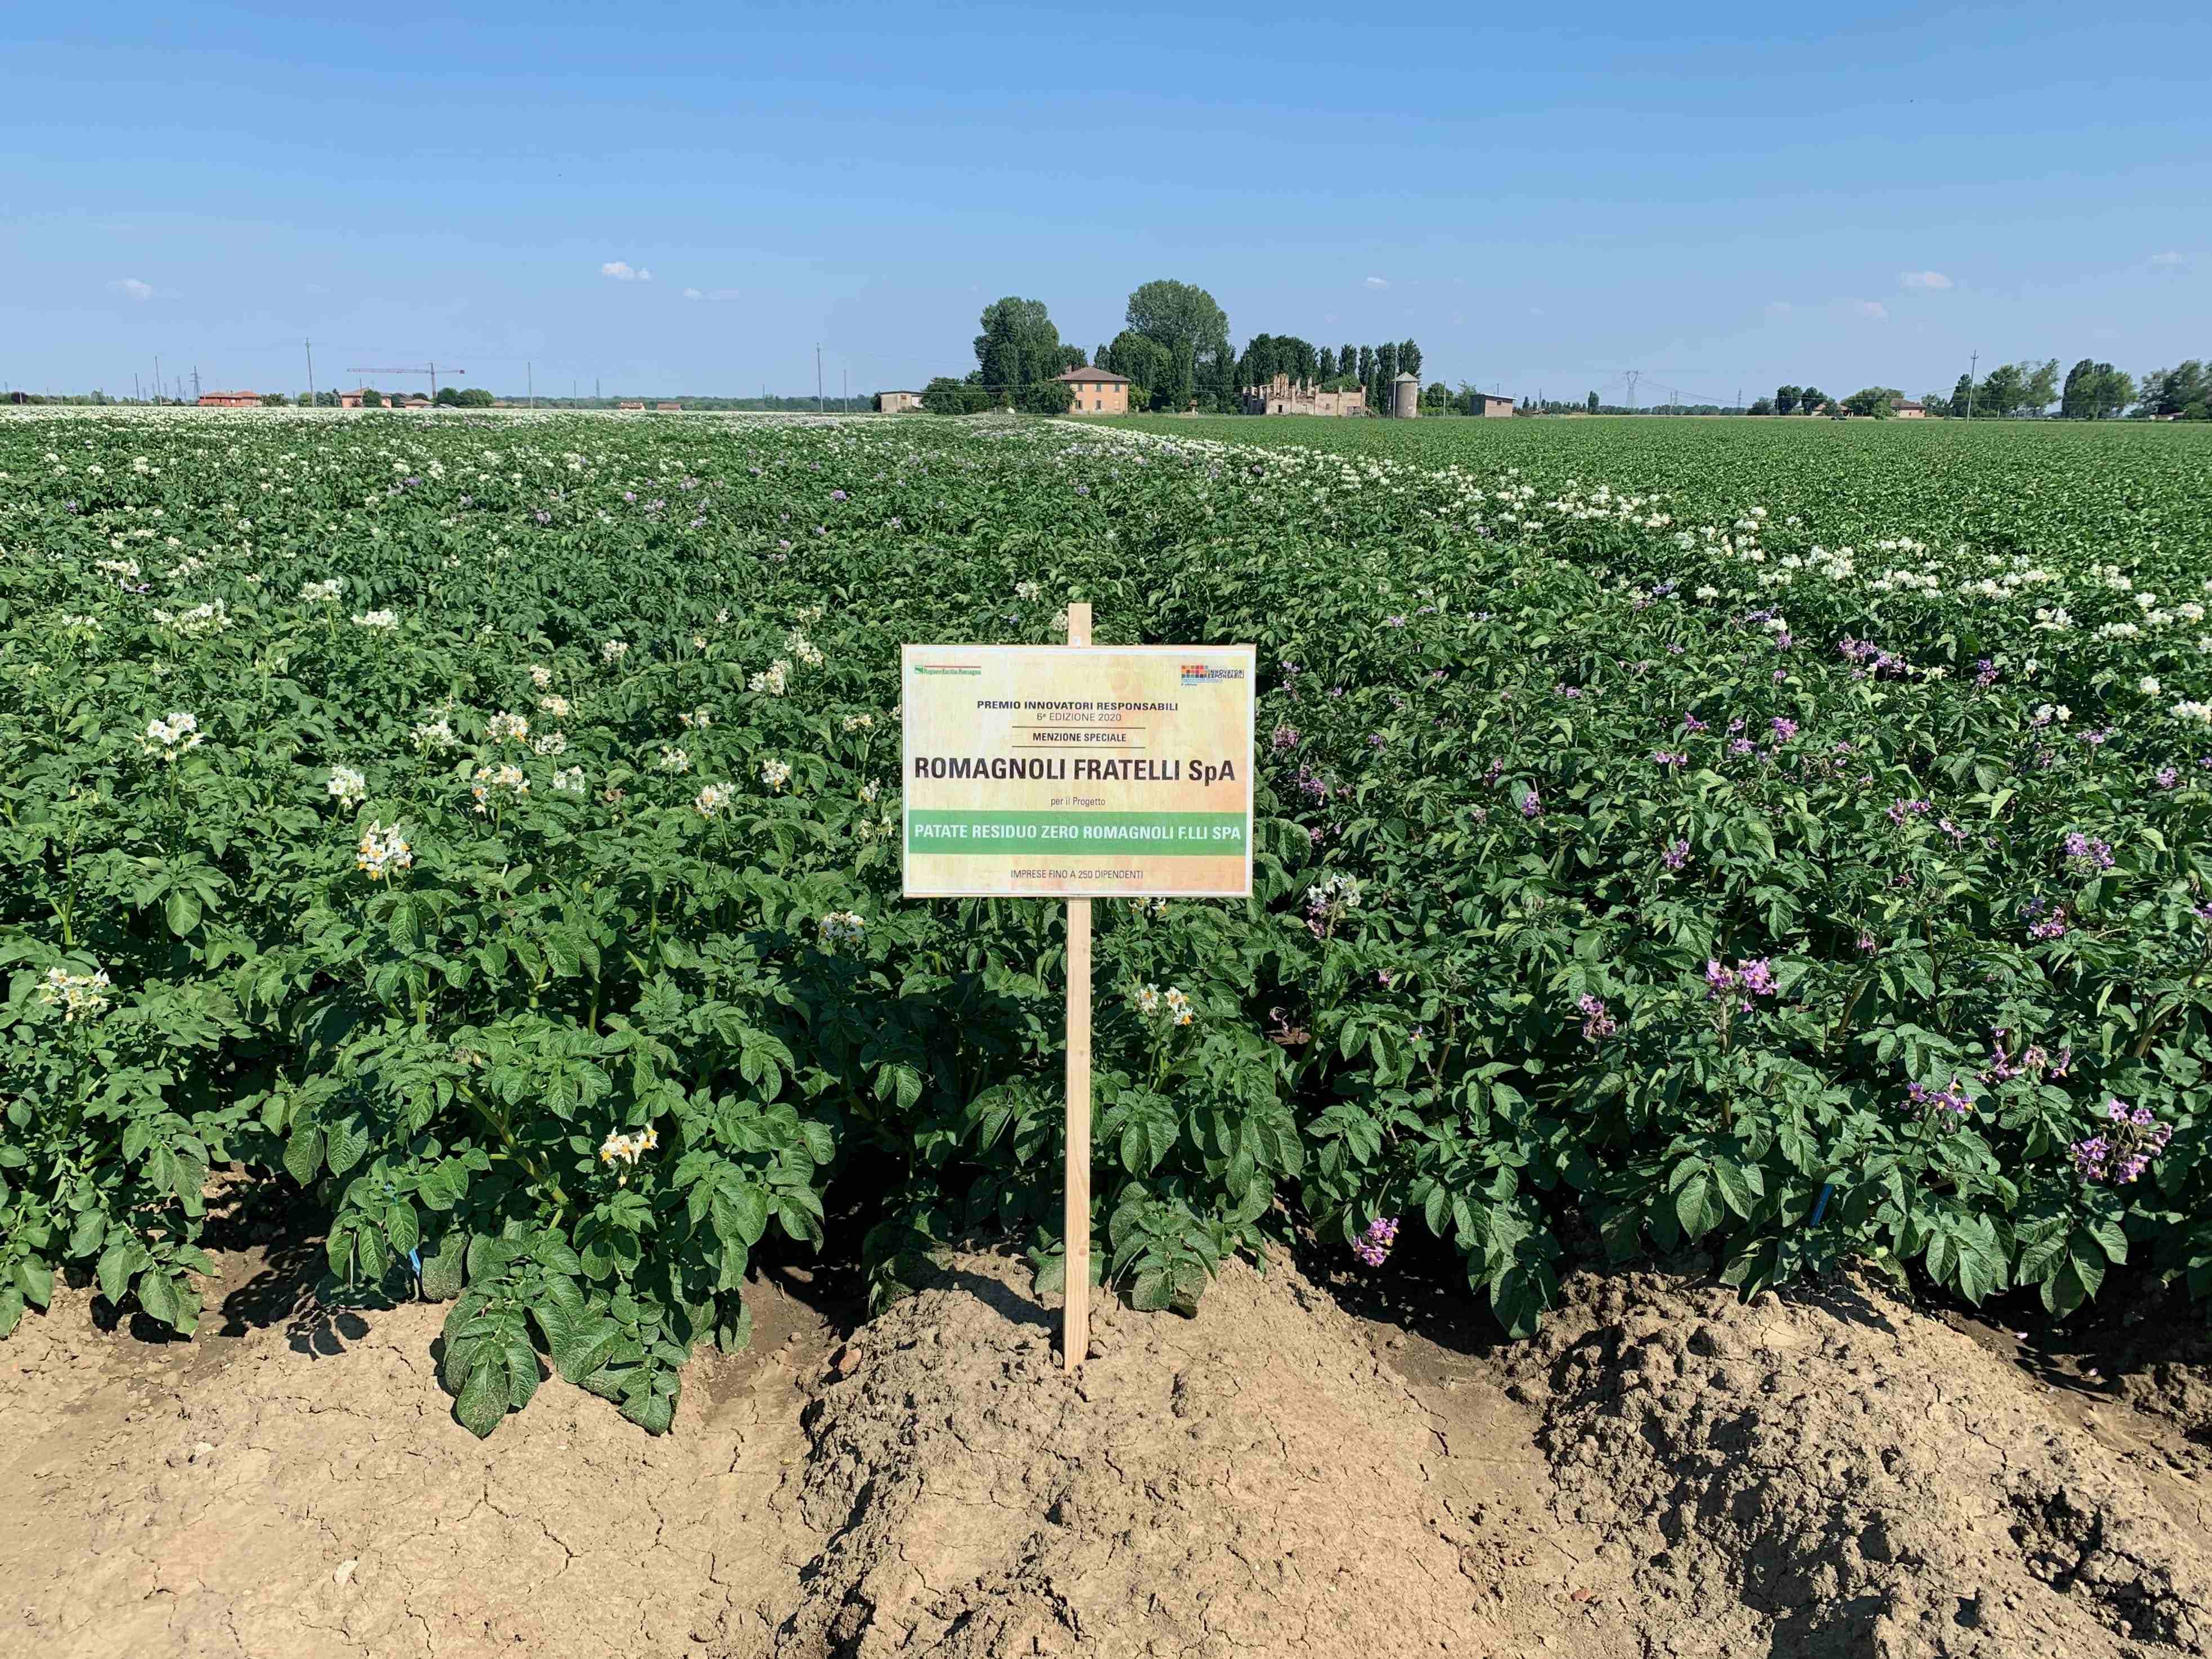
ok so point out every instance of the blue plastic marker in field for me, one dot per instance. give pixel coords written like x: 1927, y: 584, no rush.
x: 1820, y: 1205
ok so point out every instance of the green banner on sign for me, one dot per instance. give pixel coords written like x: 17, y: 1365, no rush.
x: 1161, y: 835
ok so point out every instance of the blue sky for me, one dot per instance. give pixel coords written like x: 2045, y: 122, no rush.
x: 1720, y: 196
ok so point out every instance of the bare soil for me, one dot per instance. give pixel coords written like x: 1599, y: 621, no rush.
x: 1663, y: 1471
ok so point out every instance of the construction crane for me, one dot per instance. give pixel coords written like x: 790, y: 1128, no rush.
x: 430, y: 369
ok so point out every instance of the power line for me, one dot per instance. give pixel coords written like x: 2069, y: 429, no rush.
x: 429, y: 368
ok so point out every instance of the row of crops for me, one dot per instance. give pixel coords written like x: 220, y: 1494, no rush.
x: 488, y: 831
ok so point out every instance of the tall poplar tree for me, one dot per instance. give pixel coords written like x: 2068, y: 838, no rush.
x: 1018, y: 350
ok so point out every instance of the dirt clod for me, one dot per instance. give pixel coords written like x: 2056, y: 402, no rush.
x: 1844, y: 1476
x: 1249, y: 1481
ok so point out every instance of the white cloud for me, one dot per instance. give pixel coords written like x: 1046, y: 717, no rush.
x: 1376, y: 282
x: 132, y: 288
x: 622, y: 272
x: 1777, y: 308
x: 1872, y: 310
x: 1929, y: 279
x: 710, y: 294
x: 693, y: 294
x: 2168, y: 259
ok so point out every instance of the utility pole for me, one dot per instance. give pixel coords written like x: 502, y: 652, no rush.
x: 1633, y: 374
x: 195, y: 383
x: 157, y: 377
x: 310, y: 344
x: 818, y: 377
x: 1973, y: 362
x: 137, y: 395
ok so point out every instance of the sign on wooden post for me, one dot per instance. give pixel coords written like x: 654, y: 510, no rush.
x: 1077, y: 772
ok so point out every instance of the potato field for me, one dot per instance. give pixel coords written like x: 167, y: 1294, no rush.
x: 1790, y: 838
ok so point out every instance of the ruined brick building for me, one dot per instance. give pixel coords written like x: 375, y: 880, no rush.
x: 1284, y: 395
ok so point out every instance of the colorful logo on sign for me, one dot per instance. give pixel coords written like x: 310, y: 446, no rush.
x: 1197, y: 673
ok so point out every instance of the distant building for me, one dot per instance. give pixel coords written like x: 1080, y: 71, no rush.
x: 1284, y: 395
x: 230, y: 400
x: 352, y: 399
x: 1405, y: 396
x: 1097, y: 391
x: 897, y: 403
x: 1492, y: 403
x: 1908, y: 409
x: 414, y: 401
x: 669, y: 409
x: 638, y: 406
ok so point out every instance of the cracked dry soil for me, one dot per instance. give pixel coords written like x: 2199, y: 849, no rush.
x: 1663, y: 1471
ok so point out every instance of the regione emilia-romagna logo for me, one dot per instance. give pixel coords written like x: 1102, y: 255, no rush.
x: 1096, y: 771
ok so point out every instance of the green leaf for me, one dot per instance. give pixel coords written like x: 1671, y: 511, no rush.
x: 748, y: 1213
x: 158, y: 1295
x: 35, y: 1279
x: 1740, y: 1185
x: 118, y: 1264
x: 303, y: 1154
x: 1981, y: 1272
x: 2074, y: 1282
x: 651, y: 1411
x: 1697, y: 1205
x: 485, y: 1397
x: 349, y: 1142
x: 442, y: 1275
x: 1150, y: 1131
x: 1517, y: 1298
x: 182, y: 911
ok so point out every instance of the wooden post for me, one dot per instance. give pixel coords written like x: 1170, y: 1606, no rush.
x: 1075, y: 1309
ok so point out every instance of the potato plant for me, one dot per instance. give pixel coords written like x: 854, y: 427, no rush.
x: 488, y: 829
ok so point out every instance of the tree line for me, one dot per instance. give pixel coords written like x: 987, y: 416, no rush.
x: 1176, y: 352
x: 2091, y: 391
